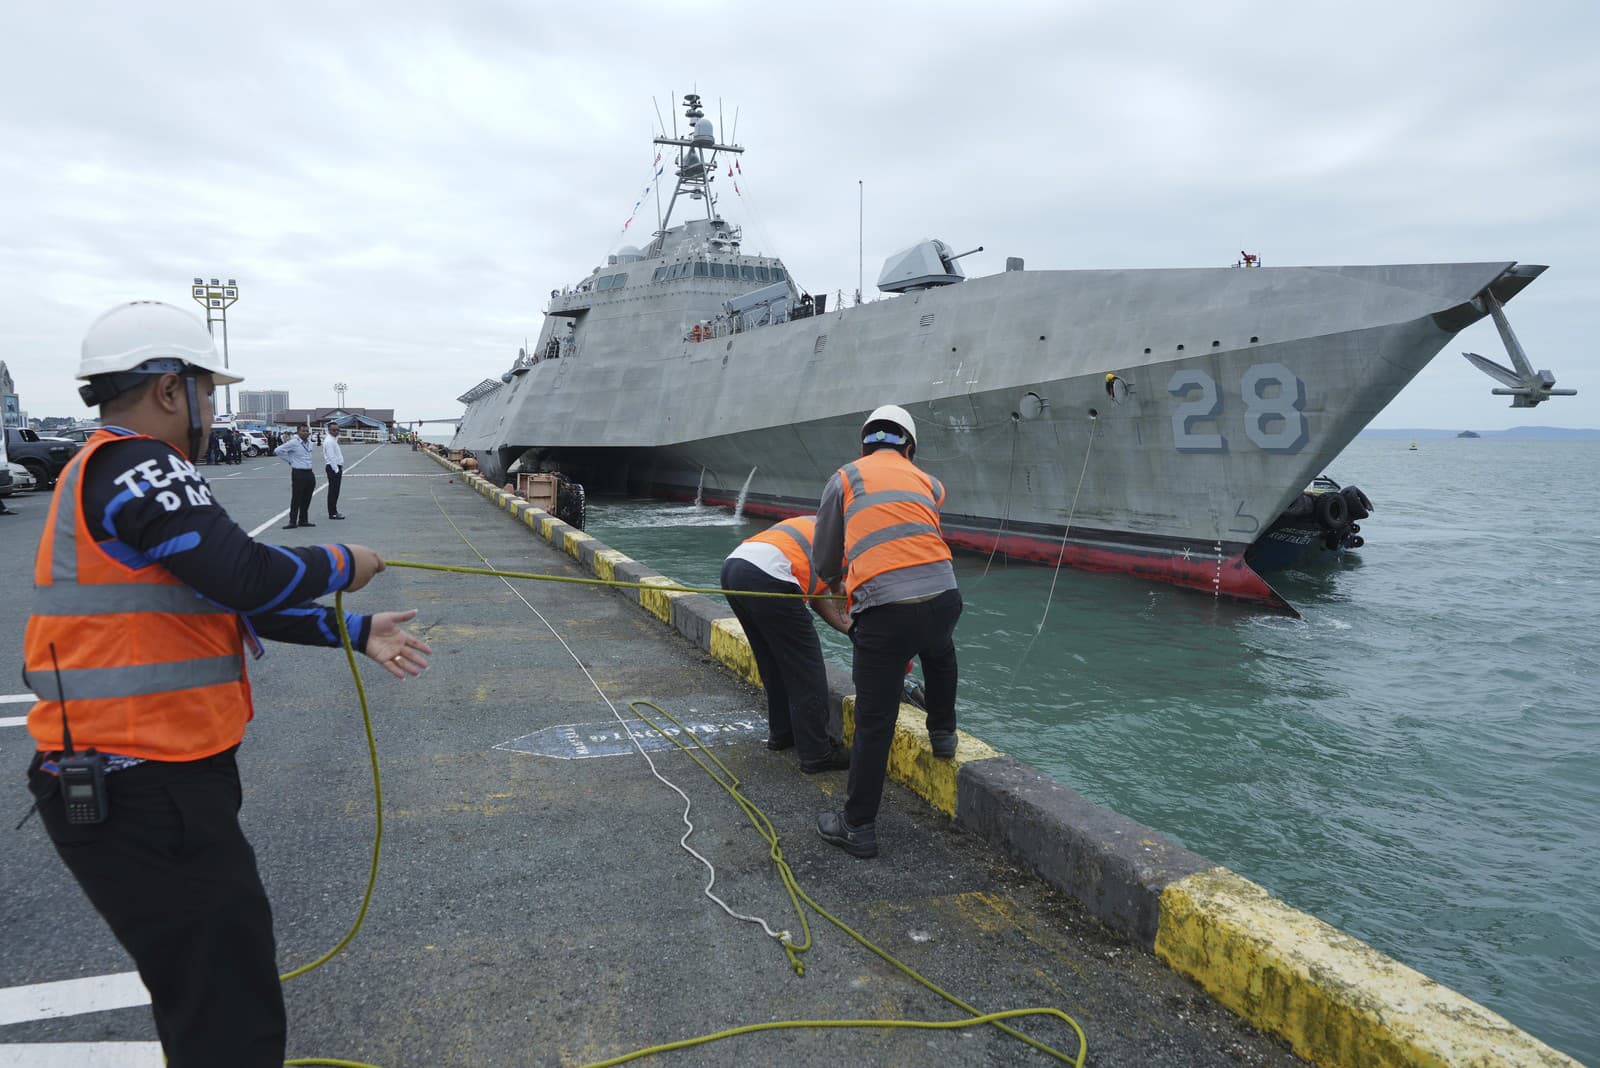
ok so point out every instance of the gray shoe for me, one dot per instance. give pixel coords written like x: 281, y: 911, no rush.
x: 857, y: 841
x: 943, y: 744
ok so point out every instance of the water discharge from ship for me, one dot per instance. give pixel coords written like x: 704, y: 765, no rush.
x: 699, y: 487
x: 744, y: 491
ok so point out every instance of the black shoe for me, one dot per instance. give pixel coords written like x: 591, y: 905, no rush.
x: 838, y: 759
x: 336, y: 517
x: 778, y: 745
x: 857, y: 841
x: 943, y: 743
x: 291, y: 526
x: 305, y: 524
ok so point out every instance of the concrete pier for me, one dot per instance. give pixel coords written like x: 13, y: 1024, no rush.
x: 533, y: 904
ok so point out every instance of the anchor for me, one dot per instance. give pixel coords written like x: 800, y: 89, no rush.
x: 1527, y: 387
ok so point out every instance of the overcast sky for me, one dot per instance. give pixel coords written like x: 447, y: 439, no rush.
x: 398, y: 186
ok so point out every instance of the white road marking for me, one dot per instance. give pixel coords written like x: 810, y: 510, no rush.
x: 314, y: 493
x: 13, y: 721
x: 71, y: 997
x: 82, y: 1055
x: 17, y: 698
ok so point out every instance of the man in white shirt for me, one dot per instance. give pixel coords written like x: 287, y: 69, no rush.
x: 333, y: 463
x: 296, y: 452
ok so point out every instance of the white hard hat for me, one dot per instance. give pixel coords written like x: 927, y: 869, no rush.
x: 127, y: 336
x: 893, y: 413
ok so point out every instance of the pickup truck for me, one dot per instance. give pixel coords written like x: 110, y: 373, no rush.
x: 44, y: 457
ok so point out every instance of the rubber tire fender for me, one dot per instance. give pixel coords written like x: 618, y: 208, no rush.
x: 1359, y: 504
x: 1301, y: 507
x: 1333, y: 512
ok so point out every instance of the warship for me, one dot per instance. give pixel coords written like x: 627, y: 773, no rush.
x: 1156, y: 422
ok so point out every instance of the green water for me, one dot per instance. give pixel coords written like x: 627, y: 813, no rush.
x: 1416, y: 761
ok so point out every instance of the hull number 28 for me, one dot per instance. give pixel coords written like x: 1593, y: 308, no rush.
x: 1273, y: 398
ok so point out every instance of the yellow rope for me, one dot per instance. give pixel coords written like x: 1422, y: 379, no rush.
x: 758, y: 819
x: 618, y: 583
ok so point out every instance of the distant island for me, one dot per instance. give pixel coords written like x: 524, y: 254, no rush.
x: 1516, y: 433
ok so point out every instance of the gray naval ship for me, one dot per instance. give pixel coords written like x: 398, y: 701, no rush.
x: 1154, y: 422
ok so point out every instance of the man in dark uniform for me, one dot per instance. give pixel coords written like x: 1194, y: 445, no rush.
x: 146, y: 597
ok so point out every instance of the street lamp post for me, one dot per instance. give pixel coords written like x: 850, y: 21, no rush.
x: 217, y: 297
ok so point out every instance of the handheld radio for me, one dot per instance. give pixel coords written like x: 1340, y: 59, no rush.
x: 83, y: 775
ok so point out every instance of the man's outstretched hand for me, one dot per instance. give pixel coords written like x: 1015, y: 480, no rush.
x: 401, y: 654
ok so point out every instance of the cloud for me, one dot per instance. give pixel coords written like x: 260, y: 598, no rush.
x: 397, y: 187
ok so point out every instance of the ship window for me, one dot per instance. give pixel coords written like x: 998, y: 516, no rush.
x: 661, y: 272
x: 747, y: 272
x: 763, y: 275
x: 607, y: 282
x: 777, y: 274
x: 618, y: 281
x: 700, y: 269
x: 717, y: 270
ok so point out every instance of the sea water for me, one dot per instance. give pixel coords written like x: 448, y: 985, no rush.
x: 1416, y: 760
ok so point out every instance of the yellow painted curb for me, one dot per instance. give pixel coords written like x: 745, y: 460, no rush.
x: 547, y: 527
x: 911, y: 760
x: 1336, y: 999
x: 573, y: 539
x: 657, y: 603
x: 532, y: 517
x: 730, y: 648
x: 606, y: 561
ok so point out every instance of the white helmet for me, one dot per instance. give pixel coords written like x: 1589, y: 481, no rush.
x: 127, y: 336
x: 893, y: 413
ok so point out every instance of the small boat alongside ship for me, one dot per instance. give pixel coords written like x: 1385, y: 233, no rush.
x: 1166, y: 423
x: 1317, y: 527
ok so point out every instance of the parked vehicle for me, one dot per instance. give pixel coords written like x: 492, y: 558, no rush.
x: 22, y: 480
x: 80, y: 434
x: 5, y: 470
x: 43, y: 457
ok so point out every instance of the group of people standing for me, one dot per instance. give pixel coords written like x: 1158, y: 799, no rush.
x: 296, y: 452
x: 876, y: 539
x: 224, y: 447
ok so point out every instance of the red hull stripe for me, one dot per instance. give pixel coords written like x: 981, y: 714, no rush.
x: 1228, y: 576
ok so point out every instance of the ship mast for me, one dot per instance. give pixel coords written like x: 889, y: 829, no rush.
x: 697, y: 160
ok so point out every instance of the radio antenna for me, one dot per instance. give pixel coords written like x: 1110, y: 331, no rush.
x: 61, y: 695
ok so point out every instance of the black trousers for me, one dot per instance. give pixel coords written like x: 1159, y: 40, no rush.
x: 302, y: 484
x: 172, y: 873
x: 886, y: 638
x: 788, y: 655
x: 335, y: 476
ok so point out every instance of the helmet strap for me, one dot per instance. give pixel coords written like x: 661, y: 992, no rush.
x: 195, y: 430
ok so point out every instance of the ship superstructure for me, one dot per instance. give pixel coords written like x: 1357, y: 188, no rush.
x: 1147, y: 421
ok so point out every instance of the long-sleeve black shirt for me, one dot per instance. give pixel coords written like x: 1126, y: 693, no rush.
x: 147, y: 506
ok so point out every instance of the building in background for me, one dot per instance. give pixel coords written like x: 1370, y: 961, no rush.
x: 360, y: 424
x: 263, y: 404
x: 11, y: 413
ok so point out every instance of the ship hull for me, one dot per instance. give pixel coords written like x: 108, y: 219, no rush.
x: 1149, y: 422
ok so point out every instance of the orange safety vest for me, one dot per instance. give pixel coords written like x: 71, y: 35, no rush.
x: 149, y: 668
x: 794, y: 537
x: 891, y: 517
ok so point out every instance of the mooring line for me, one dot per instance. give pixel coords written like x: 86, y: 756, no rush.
x: 782, y: 937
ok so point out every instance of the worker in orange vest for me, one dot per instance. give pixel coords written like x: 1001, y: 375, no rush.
x: 146, y: 597
x: 878, y: 532
x: 784, y: 641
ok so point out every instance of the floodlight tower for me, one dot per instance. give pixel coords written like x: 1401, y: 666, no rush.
x: 339, y: 388
x: 217, y: 297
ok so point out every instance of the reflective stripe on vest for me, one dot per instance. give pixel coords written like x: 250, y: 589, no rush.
x: 149, y: 668
x: 891, y: 517
x: 113, y: 598
x: 93, y: 684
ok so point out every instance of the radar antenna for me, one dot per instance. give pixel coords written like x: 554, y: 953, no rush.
x: 697, y: 159
x: 1528, y: 388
